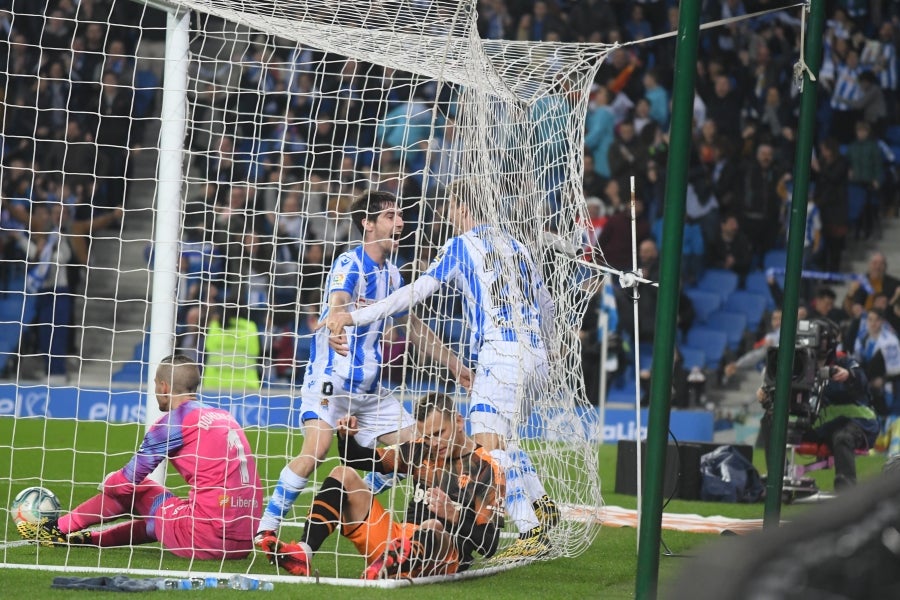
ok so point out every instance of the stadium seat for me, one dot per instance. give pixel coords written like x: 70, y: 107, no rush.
x: 758, y: 284
x: 775, y: 259
x: 718, y: 281
x: 711, y: 342
x: 146, y: 85
x: 142, y: 350
x: 620, y: 396
x: 892, y: 135
x: 10, y: 333
x: 692, y: 357
x: 130, y: 372
x: 704, y: 302
x: 750, y: 304
x: 856, y: 202
x: 733, y: 324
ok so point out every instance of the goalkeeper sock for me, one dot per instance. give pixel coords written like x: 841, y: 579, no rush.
x: 518, y: 505
x: 131, y: 533
x: 90, y: 512
x: 325, y: 513
x: 534, y: 489
x: 283, y: 497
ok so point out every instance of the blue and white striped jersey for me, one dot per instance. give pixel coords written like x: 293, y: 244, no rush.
x: 502, y: 289
x: 888, y: 74
x: 367, y: 282
x: 846, y: 87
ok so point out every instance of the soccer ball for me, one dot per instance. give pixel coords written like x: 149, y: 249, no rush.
x: 34, y: 504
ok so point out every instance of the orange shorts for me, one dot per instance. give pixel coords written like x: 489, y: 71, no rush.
x: 372, y: 536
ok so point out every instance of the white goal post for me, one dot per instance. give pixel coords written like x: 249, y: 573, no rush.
x: 170, y: 165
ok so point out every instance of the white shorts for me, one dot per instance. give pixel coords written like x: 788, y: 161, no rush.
x: 376, y: 414
x: 507, y: 378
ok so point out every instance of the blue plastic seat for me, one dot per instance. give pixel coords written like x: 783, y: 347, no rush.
x: 705, y: 302
x: 757, y: 283
x: 692, y: 357
x: 775, y: 259
x: 620, y: 396
x: 752, y: 305
x: 146, y: 85
x: 711, y: 342
x: 892, y: 135
x: 733, y: 324
x: 718, y: 281
x: 130, y: 372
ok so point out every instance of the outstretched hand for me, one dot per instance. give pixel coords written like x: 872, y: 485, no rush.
x: 464, y: 377
x: 347, y: 426
x: 335, y: 322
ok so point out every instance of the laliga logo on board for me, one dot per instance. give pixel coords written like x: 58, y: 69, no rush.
x: 622, y: 431
x: 7, y: 406
x: 563, y: 427
x: 33, y: 404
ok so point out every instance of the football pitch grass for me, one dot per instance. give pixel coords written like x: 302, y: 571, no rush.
x: 29, y: 447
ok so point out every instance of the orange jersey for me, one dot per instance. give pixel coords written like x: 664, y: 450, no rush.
x: 473, y: 481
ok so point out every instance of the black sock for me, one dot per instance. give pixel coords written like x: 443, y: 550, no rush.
x: 325, y: 513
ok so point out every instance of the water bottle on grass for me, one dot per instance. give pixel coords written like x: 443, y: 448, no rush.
x: 243, y: 582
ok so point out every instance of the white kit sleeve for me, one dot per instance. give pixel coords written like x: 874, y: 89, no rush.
x: 399, y: 301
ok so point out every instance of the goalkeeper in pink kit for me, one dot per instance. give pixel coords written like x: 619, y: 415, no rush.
x: 210, y: 451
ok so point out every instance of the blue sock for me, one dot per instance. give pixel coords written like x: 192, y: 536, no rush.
x: 283, y: 497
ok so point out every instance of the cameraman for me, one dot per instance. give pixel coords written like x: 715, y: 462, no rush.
x: 844, y: 421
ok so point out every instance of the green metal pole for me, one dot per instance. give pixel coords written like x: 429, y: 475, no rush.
x: 667, y: 308
x: 796, y: 235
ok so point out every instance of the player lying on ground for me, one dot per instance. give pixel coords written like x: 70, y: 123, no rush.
x: 455, y: 511
x: 208, y: 448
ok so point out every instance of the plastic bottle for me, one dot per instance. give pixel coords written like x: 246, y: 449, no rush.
x: 217, y: 582
x: 242, y: 582
x: 180, y: 584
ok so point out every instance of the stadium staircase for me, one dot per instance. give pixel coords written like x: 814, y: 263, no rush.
x: 115, y: 305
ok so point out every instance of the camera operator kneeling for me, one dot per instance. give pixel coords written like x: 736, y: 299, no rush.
x: 834, y: 409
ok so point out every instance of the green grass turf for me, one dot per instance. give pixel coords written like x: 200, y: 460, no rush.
x: 606, y: 570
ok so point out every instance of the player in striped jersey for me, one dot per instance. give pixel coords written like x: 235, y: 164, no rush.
x: 511, y: 314
x: 339, y: 385
x: 209, y: 450
x: 454, y: 512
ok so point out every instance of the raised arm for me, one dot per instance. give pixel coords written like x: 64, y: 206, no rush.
x: 160, y: 440
x: 401, y: 300
x: 431, y: 345
x: 381, y: 460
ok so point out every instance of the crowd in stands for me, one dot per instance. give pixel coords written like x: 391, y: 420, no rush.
x: 68, y: 130
x: 746, y: 110
x: 276, y: 187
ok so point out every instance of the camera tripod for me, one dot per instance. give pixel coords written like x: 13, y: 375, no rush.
x: 796, y: 485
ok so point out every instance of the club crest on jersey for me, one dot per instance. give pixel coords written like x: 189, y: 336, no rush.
x: 323, y: 402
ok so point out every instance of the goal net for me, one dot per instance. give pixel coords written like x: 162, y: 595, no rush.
x: 291, y: 109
